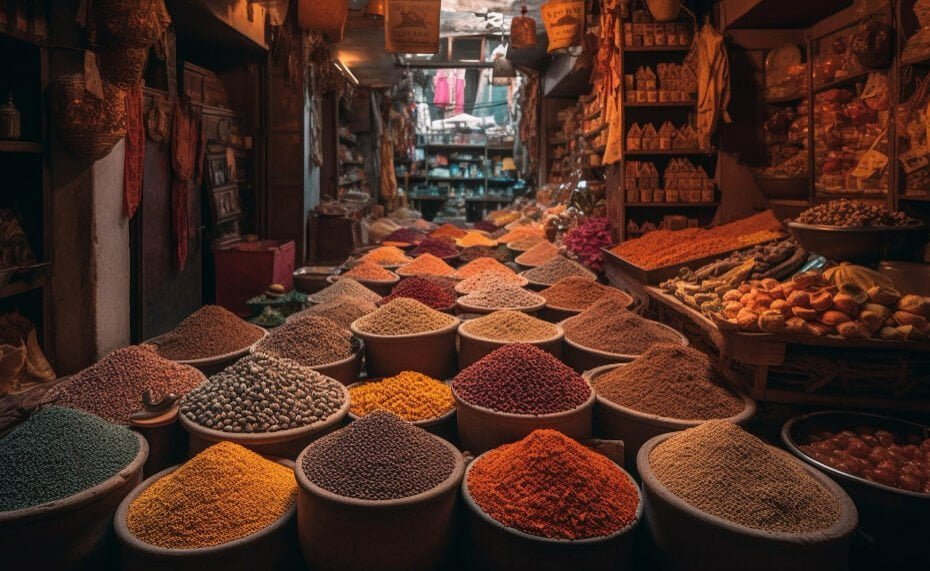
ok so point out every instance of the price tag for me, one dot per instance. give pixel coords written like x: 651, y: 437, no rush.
x: 915, y: 159
x: 870, y: 163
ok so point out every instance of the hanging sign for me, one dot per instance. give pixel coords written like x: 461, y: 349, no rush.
x: 412, y: 26
x: 564, y: 20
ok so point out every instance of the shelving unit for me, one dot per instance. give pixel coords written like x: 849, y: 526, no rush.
x: 352, y: 174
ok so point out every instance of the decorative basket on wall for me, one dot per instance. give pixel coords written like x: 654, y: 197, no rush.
x: 87, y: 126
x: 326, y: 16
x: 130, y: 23
x: 122, y: 66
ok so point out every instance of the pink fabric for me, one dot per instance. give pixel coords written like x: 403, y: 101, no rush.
x: 459, y: 94
x: 441, y: 90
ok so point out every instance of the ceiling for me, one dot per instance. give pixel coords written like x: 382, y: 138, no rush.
x: 780, y: 14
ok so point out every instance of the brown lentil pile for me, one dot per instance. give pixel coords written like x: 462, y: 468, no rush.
x: 208, y: 332
x: 500, y: 253
x: 112, y: 387
x: 428, y: 265
x: 310, y: 341
x: 509, y: 326
x: 368, y: 272
x: 411, y: 396
x: 579, y: 293
x: 378, y: 457
x: 481, y: 265
x: 670, y: 381
x: 487, y: 280
x: 503, y: 296
x: 538, y: 254
x: 607, y: 326
x: 341, y: 310
x: 403, y: 316
x: 722, y: 470
x: 345, y: 287
x: 557, y: 268
x: 260, y: 393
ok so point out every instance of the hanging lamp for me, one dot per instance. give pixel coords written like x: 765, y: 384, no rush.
x: 523, y: 31
x: 375, y: 9
x: 503, y: 71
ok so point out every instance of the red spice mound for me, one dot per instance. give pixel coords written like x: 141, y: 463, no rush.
x: 521, y: 379
x: 208, y: 332
x: 439, y: 247
x: 367, y: 271
x: 448, y: 230
x: 405, y: 236
x: 423, y: 290
x: 550, y: 486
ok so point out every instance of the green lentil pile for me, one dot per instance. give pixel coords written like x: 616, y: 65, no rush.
x: 503, y: 296
x: 342, y: 310
x: 403, y: 316
x: 260, y: 393
x: 345, y: 287
x: 509, y: 326
x: 378, y: 457
x: 310, y: 341
x: 59, y: 452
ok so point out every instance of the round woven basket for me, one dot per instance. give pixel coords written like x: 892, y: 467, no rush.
x: 87, y: 126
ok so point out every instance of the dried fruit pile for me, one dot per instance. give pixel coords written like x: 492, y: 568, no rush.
x: 850, y: 214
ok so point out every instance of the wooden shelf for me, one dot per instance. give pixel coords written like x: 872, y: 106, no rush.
x: 655, y: 49
x: 846, y: 80
x: 25, y: 147
x: 453, y: 146
x: 682, y: 104
x: 786, y: 99
x: 820, y: 195
x: 353, y: 181
x: 437, y: 198
x: 347, y: 140
x: 671, y: 204
x: 16, y: 288
x: 670, y: 153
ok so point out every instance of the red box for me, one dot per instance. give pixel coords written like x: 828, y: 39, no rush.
x: 246, y: 269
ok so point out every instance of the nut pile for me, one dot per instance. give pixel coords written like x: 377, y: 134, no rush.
x: 488, y: 279
x: 411, y: 396
x: 521, y: 379
x: 425, y: 291
x: 722, y: 470
x: 58, y: 452
x: 112, y: 387
x: 403, y: 316
x: 310, y: 341
x: 607, y: 326
x: 208, y: 332
x: 345, y: 287
x: 260, y: 393
x: 850, y: 214
x: 557, y: 268
x: 378, y: 457
x: 577, y: 293
x: 670, y: 381
x: 426, y: 265
x: 503, y: 296
x: 510, y: 327
x: 342, y: 310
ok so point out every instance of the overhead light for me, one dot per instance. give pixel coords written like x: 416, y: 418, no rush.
x: 346, y: 71
x: 375, y: 9
x: 503, y: 71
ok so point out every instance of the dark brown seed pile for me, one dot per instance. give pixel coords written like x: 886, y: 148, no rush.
x: 309, y: 340
x: 378, y: 457
x: 208, y: 332
x: 345, y: 287
x: 472, y: 253
x: 670, y: 381
x: 341, y: 310
x: 850, y: 214
x: 504, y: 296
x: 112, y: 388
x: 577, y: 293
x: 260, y: 393
x: 556, y: 269
x: 608, y: 326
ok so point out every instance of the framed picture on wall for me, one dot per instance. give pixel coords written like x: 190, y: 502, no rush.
x: 217, y: 170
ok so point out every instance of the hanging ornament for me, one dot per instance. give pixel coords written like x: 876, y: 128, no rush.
x: 503, y: 71
x: 523, y: 31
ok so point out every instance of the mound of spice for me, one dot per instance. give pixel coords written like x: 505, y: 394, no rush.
x: 521, y: 233
x: 208, y: 332
x: 378, y: 457
x: 403, y: 316
x: 426, y: 265
x: 342, y: 310
x: 501, y: 254
x: 503, y: 296
x: 345, y: 287
x: 220, y: 495
x: 474, y: 238
x: 722, y: 470
x: 608, y: 326
x: 487, y: 279
x: 557, y: 268
x: 58, y: 452
x: 386, y: 256
x: 439, y: 247
x: 485, y: 226
x: 411, y: 396
x: 510, y: 327
x: 427, y: 292
x: 551, y: 486
x: 521, y: 379
x: 851, y: 214
x: 670, y: 381
x: 112, y: 387
x: 310, y: 341
x: 525, y: 243
x: 577, y: 293
x: 479, y: 265
x: 666, y: 247
x: 538, y: 254
x: 368, y: 272
x: 261, y: 393
x: 448, y: 230
x: 405, y: 236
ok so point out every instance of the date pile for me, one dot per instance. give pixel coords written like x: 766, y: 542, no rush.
x: 850, y: 214
x: 849, y: 301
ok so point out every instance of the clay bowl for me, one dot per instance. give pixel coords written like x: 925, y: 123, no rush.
x: 215, y: 364
x: 380, y: 287
x: 432, y: 353
x: 269, y: 548
x: 555, y: 314
x: 583, y: 358
x: 466, y: 308
x: 473, y: 348
x: 344, y: 370
x: 442, y: 426
x: 539, y: 286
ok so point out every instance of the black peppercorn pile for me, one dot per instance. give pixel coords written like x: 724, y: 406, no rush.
x: 309, y: 340
x: 849, y: 214
x: 378, y: 457
x: 260, y: 393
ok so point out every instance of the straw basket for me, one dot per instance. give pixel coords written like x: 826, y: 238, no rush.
x: 88, y: 126
x: 326, y: 16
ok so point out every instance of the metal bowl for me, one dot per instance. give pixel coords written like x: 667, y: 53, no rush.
x: 862, y: 245
x: 872, y: 499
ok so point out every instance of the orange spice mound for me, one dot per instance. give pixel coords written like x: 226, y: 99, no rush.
x: 474, y: 238
x: 479, y: 265
x: 538, y: 254
x: 367, y: 271
x: 666, y: 247
x: 426, y: 265
x: 448, y: 230
x: 521, y: 232
x: 387, y: 256
x: 524, y: 244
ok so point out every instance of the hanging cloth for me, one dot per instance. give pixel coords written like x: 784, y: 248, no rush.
x: 459, y: 91
x: 135, y: 150
x: 709, y: 62
x: 186, y: 148
x: 441, y: 90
